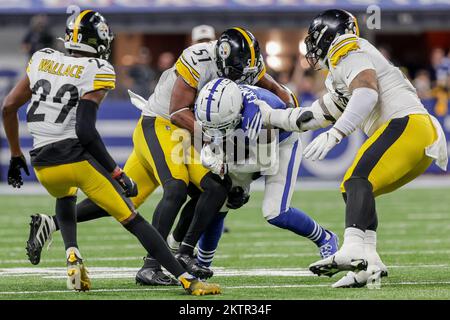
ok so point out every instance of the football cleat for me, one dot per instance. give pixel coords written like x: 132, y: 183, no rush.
x: 330, y: 247
x: 371, y: 277
x: 77, y: 274
x: 352, y: 259
x: 193, y: 267
x: 197, y: 287
x: 41, y: 229
x: 152, y: 275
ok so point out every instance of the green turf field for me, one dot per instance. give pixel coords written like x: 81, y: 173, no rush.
x: 254, y: 261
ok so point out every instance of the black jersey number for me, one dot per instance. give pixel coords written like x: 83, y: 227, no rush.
x: 33, y: 116
x: 202, y: 56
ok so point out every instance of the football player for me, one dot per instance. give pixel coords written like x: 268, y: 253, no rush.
x: 68, y: 153
x: 224, y: 108
x: 235, y: 55
x: 364, y: 90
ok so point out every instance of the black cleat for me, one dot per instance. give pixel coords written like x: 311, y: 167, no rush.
x: 41, y: 229
x: 192, y: 266
x: 152, y: 275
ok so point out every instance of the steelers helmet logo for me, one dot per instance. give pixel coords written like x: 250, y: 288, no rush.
x: 103, y: 31
x: 224, y: 50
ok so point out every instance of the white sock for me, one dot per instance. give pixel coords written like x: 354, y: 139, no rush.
x: 353, y: 237
x: 172, y: 243
x: 77, y: 252
x: 370, y: 241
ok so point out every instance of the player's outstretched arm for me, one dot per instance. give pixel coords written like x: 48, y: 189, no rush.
x: 90, y: 139
x: 18, y: 96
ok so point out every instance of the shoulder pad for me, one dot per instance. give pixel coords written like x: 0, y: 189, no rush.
x: 340, y: 47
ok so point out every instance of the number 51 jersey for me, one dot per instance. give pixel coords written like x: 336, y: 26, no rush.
x: 58, y: 82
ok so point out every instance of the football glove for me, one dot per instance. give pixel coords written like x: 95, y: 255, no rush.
x: 322, y: 144
x: 128, y: 185
x: 237, y: 198
x: 14, y: 173
x: 213, y: 161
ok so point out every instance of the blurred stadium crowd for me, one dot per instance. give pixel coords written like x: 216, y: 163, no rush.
x: 141, y: 72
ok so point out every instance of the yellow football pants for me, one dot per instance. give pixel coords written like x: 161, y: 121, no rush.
x: 395, y: 154
x: 91, y: 178
x: 160, y: 147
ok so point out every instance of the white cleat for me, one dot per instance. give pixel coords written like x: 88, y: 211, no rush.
x: 370, y: 277
x: 351, y: 258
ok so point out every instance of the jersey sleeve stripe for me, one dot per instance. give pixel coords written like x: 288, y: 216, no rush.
x: 186, y: 73
x: 342, y: 52
x: 250, y: 44
x: 341, y: 43
x: 76, y: 26
x: 192, y: 69
x: 100, y: 84
x: 105, y: 76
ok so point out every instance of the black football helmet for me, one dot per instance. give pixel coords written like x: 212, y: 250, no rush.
x: 89, y: 32
x: 323, y: 30
x: 238, y: 55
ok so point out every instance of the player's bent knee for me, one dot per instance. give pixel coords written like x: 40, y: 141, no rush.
x: 357, y: 184
x: 175, y: 191
x: 215, y: 186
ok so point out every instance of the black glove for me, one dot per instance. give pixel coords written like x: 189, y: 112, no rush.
x: 129, y: 186
x: 237, y: 198
x: 304, y: 118
x: 14, y: 174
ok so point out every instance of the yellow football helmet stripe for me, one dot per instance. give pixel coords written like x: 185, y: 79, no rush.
x: 250, y: 44
x: 76, y: 26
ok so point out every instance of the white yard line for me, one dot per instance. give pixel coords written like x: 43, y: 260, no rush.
x: 406, y: 283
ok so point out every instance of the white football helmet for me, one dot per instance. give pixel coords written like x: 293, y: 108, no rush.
x: 218, y: 108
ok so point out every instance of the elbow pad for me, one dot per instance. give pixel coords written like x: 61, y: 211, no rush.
x: 85, y: 124
x: 358, y: 108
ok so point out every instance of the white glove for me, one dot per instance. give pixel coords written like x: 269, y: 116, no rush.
x: 265, y: 110
x: 213, y: 161
x: 322, y: 144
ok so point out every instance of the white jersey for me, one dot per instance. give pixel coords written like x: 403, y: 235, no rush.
x: 197, y: 66
x: 347, y: 57
x: 57, y: 83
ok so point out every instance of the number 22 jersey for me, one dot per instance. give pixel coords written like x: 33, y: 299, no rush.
x: 57, y: 83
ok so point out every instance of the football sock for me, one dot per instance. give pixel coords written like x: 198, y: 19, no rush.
x: 353, y: 237
x: 209, y: 240
x: 152, y: 241
x: 300, y: 223
x: 174, y: 196
x: 213, y: 197
x: 186, y: 216
x: 67, y: 220
x: 370, y: 241
x: 87, y: 210
x: 360, y: 209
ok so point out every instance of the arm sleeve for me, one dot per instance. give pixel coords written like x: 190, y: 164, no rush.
x: 88, y: 135
x: 99, y: 75
x: 359, y: 106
